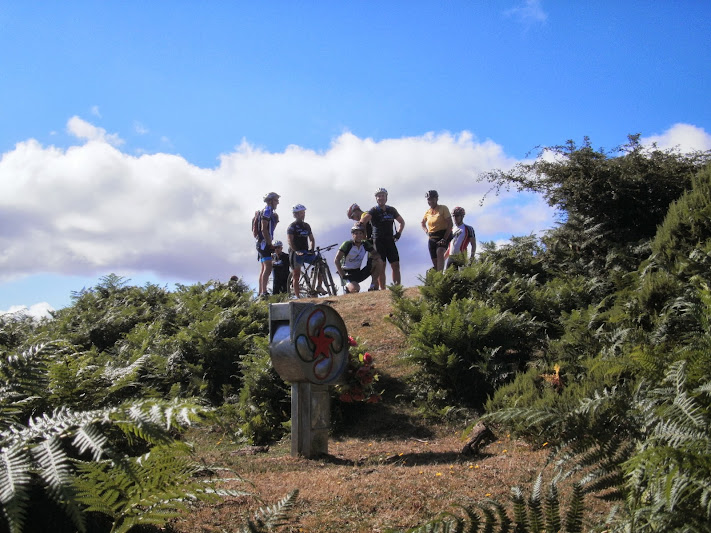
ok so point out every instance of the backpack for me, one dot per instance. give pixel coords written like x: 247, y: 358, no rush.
x: 256, y: 224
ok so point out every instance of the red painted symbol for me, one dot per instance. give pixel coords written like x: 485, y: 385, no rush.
x: 318, y: 346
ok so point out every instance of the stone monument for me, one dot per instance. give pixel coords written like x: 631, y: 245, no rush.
x: 308, y: 345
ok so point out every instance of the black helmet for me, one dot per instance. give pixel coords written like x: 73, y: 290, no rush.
x: 431, y: 194
x: 458, y: 211
x: 352, y: 208
x: 271, y: 196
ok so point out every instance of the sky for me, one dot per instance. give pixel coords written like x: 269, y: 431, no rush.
x: 138, y: 138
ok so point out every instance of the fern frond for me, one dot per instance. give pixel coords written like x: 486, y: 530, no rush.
x: 574, y: 516
x: 14, y: 484
x: 553, y: 520
x: 535, y: 507
x: 519, y: 510
x: 89, y: 438
x: 277, y: 515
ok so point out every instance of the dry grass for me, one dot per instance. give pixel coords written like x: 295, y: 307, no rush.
x: 386, y: 468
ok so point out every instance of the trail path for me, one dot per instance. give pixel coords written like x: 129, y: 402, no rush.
x: 389, y: 469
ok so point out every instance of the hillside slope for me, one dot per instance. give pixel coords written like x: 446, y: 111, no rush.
x: 386, y: 466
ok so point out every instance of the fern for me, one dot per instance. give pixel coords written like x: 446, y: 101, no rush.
x: 43, y: 451
x: 669, y: 477
x: 156, y: 487
x: 271, y: 517
x: 528, y: 514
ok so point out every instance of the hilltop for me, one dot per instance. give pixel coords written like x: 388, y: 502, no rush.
x: 386, y: 467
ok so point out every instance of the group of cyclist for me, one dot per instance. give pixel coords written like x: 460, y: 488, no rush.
x: 374, y: 235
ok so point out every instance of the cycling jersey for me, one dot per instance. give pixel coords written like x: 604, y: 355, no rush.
x: 300, y: 231
x: 267, y: 213
x: 462, y: 236
x: 437, y: 221
x: 353, y: 255
x: 383, y: 221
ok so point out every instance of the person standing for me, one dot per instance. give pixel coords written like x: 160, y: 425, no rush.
x: 301, y: 247
x: 383, y: 218
x: 267, y: 221
x: 350, y: 257
x: 280, y: 270
x: 437, y: 223
x: 463, y: 236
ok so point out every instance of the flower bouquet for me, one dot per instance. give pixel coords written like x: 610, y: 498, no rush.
x: 359, y: 378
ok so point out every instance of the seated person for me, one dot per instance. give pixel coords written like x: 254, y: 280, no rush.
x: 350, y: 257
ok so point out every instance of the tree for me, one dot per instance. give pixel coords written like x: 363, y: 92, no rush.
x: 625, y: 191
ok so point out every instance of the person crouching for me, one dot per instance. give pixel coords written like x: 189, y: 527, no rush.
x: 350, y: 257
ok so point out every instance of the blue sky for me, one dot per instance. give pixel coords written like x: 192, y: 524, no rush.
x: 138, y: 138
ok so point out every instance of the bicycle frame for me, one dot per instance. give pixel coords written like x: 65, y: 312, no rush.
x: 310, y: 275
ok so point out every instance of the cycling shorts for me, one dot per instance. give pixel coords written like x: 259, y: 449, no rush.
x: 297, y: 261
x: 263, y: 253
x: 387, y: 250
x: 434, y: 242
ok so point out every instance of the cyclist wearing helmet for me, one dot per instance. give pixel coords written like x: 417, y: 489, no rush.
x: 301, y: 246
x: 268, y: 219
x: 437, y: 223
x: 280, y: 272
x: 383, y: 218
x: 350, y: 257
x: 463, y: 236
x: 355, y: 213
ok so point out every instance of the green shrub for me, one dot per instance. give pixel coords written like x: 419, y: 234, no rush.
x: 465, y: 350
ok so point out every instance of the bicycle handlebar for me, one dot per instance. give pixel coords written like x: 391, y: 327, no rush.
x: 324, y: 248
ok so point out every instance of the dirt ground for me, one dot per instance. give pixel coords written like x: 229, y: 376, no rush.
x: 386, y: 467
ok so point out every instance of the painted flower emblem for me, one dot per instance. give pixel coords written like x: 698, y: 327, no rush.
x: 319, y: 345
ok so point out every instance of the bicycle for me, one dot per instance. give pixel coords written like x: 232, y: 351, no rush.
x: 310, y: 273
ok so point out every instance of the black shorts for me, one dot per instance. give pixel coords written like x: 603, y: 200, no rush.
x: 433, y: 242
x: 357, y: 274
x: 264, y: 254
x: 387, y: 250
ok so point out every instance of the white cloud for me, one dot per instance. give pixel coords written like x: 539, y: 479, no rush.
x: 95, y: 111
x: 39, y: 310
x: 528, y: 12
x: 139, y: 128
x: 685, y: 137
x: 84, y: 130
x: 92, y: 209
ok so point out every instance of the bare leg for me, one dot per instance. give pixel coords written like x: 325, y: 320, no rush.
x: 396, y: 272
x: 264, y: 276
x: 440, y: 259
x: 296, y: 274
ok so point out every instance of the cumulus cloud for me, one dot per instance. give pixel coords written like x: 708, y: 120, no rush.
x: 82, y: 129
x: 37, y: 311
x: 92, y: 209
x: 685, y: 137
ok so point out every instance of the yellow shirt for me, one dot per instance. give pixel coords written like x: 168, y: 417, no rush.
x: 438, y: 220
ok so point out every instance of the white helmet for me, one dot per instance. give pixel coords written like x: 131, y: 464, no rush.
x: 380, y: 191
x: 297, y: 208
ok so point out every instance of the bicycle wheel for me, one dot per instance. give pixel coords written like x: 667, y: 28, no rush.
x: 328, y: 279
x: 311, y: 279
x: 303, y: 285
